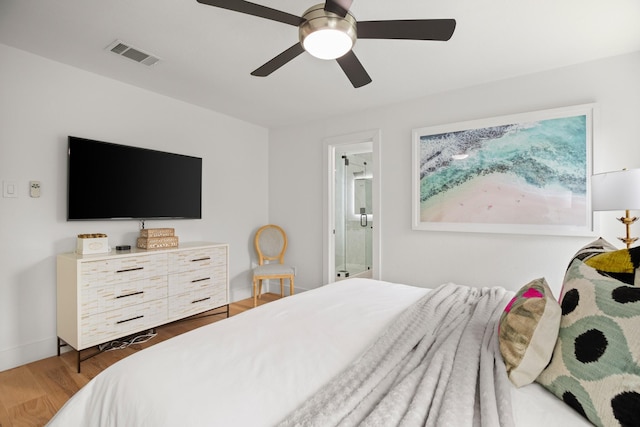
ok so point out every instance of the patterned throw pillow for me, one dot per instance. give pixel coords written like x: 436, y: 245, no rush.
x: 595, y: 366
x: 597, y: 247
x: 528, y: 331
x: 592, y: 249
x: 621, y: 264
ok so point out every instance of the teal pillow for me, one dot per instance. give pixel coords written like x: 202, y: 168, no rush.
x: 595, y: 367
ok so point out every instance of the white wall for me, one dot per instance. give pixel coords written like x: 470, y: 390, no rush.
x: 430, y: 258
x: 41, y: 102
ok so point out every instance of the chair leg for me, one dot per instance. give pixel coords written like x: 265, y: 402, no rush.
x: 291, y: 285
x: 255, y: 293
x: 281, y: 287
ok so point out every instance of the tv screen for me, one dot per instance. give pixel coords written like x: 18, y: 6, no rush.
x: 113, y: 181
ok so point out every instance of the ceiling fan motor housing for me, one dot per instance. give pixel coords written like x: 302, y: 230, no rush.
x: 317, y: 21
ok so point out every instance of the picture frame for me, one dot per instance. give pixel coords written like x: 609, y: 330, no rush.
x: 525, y: 173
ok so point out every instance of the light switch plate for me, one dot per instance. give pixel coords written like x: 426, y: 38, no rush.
x: 9, y: 189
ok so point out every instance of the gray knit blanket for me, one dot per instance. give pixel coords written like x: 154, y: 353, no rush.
x: 438, y: 364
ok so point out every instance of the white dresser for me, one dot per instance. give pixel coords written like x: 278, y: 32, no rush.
x: 108, y: 296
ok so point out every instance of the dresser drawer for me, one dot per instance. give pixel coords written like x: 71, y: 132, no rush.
x: 121, y: 322
x: 195, y: 279
x: 97, y: 299
x: 197, y: 301
x: 197, y: 259
x: 120, y: 270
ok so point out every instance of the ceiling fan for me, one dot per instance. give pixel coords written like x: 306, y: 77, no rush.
x: 329, y: 31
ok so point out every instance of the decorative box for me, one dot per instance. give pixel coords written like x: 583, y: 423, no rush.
x: 157, y: 232
x: 96, y: 243
x: 157, y: 242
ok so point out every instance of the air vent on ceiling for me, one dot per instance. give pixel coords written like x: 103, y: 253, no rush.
x: 123, y: 49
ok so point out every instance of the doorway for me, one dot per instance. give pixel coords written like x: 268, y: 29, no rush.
x: 352, y: 214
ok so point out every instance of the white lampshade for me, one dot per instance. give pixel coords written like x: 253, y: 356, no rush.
x: 616, y: 191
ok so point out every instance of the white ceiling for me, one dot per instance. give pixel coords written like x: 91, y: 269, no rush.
x: 207, y: 53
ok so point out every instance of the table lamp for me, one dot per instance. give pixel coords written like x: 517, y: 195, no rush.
x: 617, y: 191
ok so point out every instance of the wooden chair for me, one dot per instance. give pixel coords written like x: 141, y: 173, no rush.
x: 271, y: 244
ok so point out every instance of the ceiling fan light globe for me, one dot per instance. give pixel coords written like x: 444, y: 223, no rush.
x: 326, y: 35
x: 327, y: 43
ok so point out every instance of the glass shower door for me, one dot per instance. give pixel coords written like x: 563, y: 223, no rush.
x: 354, y: 216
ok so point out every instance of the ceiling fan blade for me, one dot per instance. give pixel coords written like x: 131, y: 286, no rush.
x: 409, y: 29
x: 255, y: 10
x: 279, y: 61
x: 339, y: 7
x: 354, y: 69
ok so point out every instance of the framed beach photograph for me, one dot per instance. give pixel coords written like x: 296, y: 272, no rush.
x: 522, y: 174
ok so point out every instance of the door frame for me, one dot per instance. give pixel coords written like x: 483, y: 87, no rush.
x: 351, y: 142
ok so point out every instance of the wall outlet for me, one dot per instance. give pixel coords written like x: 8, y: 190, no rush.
x: 34, y: 188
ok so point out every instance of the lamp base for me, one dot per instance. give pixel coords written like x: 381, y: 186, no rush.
x: 627, y: 221
x: 628, y: 240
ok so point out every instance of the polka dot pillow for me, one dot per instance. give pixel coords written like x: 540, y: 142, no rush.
x: 595, y: 367
x: 528, y: 330
x: 619, y: 264
x: 592, y: 249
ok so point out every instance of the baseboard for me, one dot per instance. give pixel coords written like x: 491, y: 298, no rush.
x: 27, y: 353
x: 238, y: 294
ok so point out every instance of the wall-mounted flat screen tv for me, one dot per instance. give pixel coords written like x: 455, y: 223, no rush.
x: 113, y: 181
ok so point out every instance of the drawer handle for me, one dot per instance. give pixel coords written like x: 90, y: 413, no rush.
x: 130, y: 295
x: 129, y: 320
x: 200, y: 300
x: 201, y: 259
x: 130, y: 269
x: 200, y: 280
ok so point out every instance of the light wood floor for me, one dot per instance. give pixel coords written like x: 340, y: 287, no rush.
x: 31, y: 394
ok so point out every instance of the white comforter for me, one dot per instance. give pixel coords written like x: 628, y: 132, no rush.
x: 438, y: 364
x: 255, y: 368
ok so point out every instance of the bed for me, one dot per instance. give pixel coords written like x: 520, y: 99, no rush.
x: 256, y: 368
